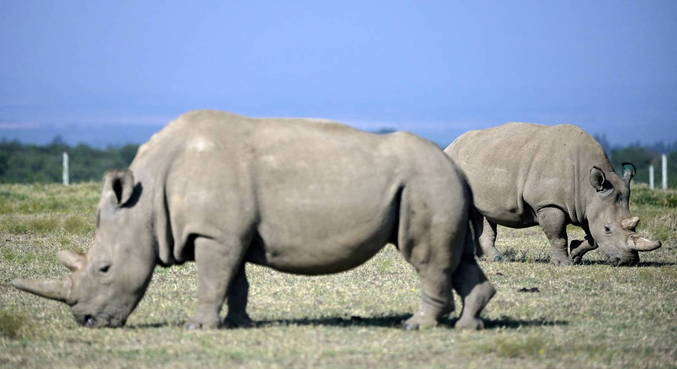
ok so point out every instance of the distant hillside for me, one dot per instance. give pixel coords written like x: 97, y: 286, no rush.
x: 99, y: 136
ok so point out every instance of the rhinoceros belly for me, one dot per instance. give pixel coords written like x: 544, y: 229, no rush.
x: 324, y: 216
x: 322, y: 239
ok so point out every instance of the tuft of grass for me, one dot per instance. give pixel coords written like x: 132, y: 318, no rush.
x: 514, y: 347
x: 44, y: 224
x: 78, y: 224
x: 13, y: 225
x: 10, y: 256
x: 12, y: 324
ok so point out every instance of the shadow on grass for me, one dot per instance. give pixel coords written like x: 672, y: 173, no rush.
x: 656, y: 263
x: 530, y: 261
x: 395, y: 321
x: 509, y: 257
x: 509, y: 323
x: 641, y: 263
x: 353, y: 321
x: 387, y: 321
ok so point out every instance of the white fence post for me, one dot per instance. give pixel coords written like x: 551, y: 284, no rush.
x: 651, y: 184
x: 664, y: 165
x: 65, y: 168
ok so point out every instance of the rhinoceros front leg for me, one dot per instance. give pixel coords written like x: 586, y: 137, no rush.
x: 238, y: 293
x: 217, y: 265
x: 579, y: 248
x: 554, y: 222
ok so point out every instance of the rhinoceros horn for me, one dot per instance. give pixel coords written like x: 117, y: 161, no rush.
x: 49, y: 288
x: 638, y: 243
x: 629, y: 224
x: 71, y: 260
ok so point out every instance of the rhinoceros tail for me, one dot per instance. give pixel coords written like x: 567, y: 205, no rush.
x: 470, y: 241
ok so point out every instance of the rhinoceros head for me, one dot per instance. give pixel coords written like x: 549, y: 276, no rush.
x: 609, y: 219
x: 107, y: 283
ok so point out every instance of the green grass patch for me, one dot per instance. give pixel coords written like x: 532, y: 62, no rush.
x: 514, y: 347
x: 12, y: 324
x: 47, y: 224
x: 17, y: 257
x: 643, y: 195
x: 48, y: 198
x: 78, y: 224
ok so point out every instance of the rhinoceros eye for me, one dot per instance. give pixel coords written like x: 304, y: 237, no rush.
x: 104, y: 268
x: 607, y: 229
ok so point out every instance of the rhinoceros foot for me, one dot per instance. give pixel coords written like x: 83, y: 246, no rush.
x: 419, y: 321
x: 498, y: 257
x: 469, y: 323
x: 560, y: 259
x: 490, y: 254
x: 239, y: 321
x: 200, y: 322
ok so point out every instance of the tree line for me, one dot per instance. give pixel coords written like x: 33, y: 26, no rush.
x: 29, y: 163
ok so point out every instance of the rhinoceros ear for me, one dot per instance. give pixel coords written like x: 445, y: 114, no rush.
x: 118, y: 186
x: 72, y: 260
x: 629, y: 171
x: 597, y: 179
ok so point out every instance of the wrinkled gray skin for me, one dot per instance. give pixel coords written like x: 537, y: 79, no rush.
x: 296, y: 195
x: 523, y: 174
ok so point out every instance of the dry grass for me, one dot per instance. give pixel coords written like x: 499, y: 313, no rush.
x: 587, y: 316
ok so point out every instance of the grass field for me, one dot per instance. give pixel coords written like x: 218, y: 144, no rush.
x: 585, y: 316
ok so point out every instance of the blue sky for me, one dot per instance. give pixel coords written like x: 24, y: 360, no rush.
x: 436, y: 68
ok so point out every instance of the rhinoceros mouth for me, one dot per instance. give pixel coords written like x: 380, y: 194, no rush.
x: 103, y: 321
x: 626, y: 260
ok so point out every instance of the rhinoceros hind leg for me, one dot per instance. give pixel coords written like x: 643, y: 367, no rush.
x: 436, y: 299
x: 432, y: 263
x: 554, y: 223
x: 238, y: 293
x: 217, y: 265
x: 486, y: 232
x: 475, y: 291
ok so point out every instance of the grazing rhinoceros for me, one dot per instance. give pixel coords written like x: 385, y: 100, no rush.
x: 523, y: 174
x: 296, y: 195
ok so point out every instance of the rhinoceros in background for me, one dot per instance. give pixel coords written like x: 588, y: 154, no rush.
x: 295, y: 195
x: 522, y: 174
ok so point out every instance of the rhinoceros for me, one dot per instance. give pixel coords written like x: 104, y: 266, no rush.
x: 523, y: 174
x: 296, y: 195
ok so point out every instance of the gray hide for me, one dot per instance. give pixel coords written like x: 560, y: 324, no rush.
x: 296, y: 195
x: 523, y: 174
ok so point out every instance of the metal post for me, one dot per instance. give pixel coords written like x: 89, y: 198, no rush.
x: 65, y: 168
x: 664, y: 162
x: 651, y: 185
